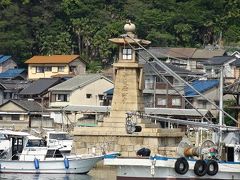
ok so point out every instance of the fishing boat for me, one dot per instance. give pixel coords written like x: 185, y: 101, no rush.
x: 202, y: 162
x: 29, y: 154
x: 218, y: 158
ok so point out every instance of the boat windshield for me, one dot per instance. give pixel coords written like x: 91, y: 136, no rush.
x: 35, y: 143
x: 60, y: 136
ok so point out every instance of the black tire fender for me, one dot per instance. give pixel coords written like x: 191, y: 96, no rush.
x: 200, y: 168
x: 210, y: 164
x: 181, y: 166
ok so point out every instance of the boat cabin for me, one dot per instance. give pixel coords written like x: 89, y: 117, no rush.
x: 61, y: 140
x: 25, y: 147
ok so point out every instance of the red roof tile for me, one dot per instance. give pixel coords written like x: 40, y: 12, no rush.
x: 54, y: 59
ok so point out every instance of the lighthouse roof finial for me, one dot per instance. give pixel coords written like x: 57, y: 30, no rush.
x: 129, y: 27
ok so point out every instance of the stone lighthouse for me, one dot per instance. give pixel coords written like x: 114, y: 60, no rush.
x: 127, y: 97
x: 129, y: 79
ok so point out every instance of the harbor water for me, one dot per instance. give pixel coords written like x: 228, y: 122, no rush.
x: 99, y: 173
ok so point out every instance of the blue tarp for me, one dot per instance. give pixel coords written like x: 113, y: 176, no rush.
x: 4, y: 58
x: 201, y: 86
x: 109, y: 92
x: 11, y: 73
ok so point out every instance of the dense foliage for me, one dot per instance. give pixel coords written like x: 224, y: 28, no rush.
x: 43, y: 27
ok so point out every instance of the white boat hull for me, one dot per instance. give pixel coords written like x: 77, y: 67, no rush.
x: 75, y: 166
x: 141, y: 168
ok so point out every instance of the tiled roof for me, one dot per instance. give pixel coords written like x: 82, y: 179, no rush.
x: 177, y: 112
x: 184, y: 53
x: 236, y: 62
x: 11, y: 73
x: 77, y: 82
x: 4, y: 58
x: 31, y: 106
x: 54, y: 59
x: 148, y: 69
x: 206, y: 53
x: 85, y: 108
x: 39, y: 86
x: 14, y: 84
x: 218, y: 60
x: 201, y: 86
x: 164, y: 52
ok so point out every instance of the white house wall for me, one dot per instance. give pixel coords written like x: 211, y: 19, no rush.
x: 11, y: 107
x: 213, y: 95
x: 78, y: 97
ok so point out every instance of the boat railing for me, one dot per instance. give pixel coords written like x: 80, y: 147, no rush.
x: 38, y: 156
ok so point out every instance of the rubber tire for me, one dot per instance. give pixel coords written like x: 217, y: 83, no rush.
x: 215, y: 165
x: 200, y: 168
x: 178, y: 163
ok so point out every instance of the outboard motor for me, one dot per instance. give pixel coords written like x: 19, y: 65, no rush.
x: 144, y: 152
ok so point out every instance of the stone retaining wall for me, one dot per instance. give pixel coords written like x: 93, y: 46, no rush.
x: 127, y: 146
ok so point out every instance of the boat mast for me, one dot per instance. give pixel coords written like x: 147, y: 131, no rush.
x: 221, y: 115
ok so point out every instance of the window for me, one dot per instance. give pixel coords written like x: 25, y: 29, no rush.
x: 204, y: 104
x: 199, y: 65
x: 208, y: 71
x: 127, y: 53
x: 62, y: 97
x: 53, y: 153
x: 33, y: 69
x: 161, y: 101
x: 15, y: 117
x: 35, y: 143
x: 7, y: 95
x: 40, y: 69
x: 60, y: 68
x: 1, y: 118
x: 88, y: 96
x: 72, y: 69
x: 100, y: 97
x: 60, y: 136
x: 176, y: 102
x: 159, y: 79
x: 48, y: 68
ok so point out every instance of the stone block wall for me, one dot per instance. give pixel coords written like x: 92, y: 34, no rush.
x: 126, y: 145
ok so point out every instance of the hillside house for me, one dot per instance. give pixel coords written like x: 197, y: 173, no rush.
x: 55, y: 65
x: 23, y: 114
x: 87, y: 90
x: 187, y: 58
x: 229, y: 64
x: 38, y: 90
x: 210, y: 90
x: 9, y: 89
x: 6, y: 62
x: 161, y: 94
